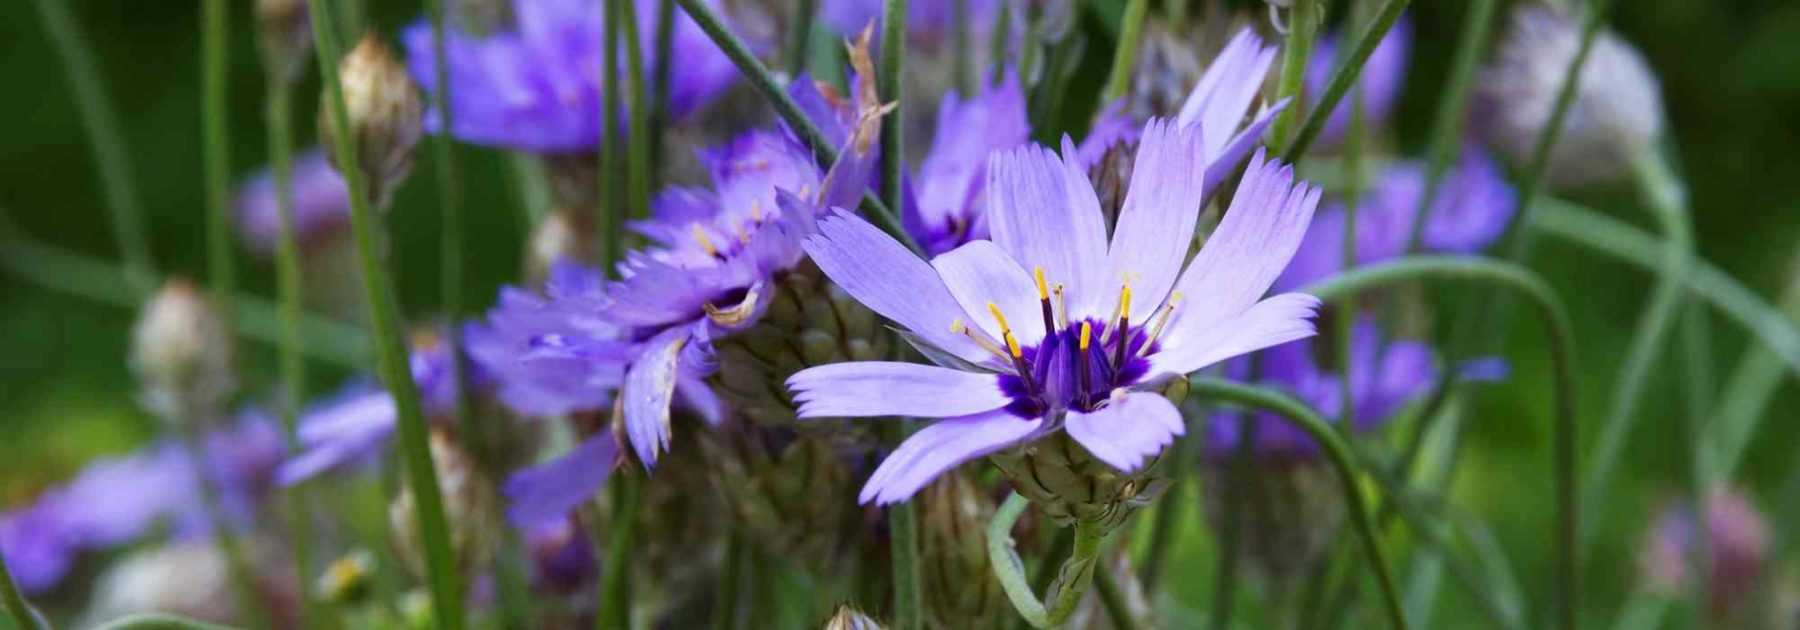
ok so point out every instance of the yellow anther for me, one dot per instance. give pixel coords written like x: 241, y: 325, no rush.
x: 756, y: 209
x: 998, y: 317
x: 956, y: 326
x: 1012, y: 345
x: 705, y: 243
x: 743, y: 235
x: 1087, y: 330
x: 1043, y: 289
x: 1125, y: 301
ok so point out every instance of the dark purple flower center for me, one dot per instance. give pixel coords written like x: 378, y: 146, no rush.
x: 1062, y: 375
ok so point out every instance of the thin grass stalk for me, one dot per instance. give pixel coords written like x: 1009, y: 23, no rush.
x: 1316, y: 427
x: 1342, y: 79
x: 1521, y: 281
x: 637, y: 110
x: 888, y: 82
x: 101, y: 122
x: 660, y: 83
x: 1112, y: 600
x: 1162, y: 530
x: 1226, y: 571
x: 215, y: 118
x: 731, y: 576
x: 390, y: 345
x: 612, y: 187
x: 909, y: 603
x: 1753, y: 383
x: 1125, y: 54
x: 16, y: 608
x: 804, y: 11
x: 997, y: 41
x: 450, y: 254
x: 615, y: 585
x: 1304, y: 19
x: 784, y: 105
x: 1453, y: 104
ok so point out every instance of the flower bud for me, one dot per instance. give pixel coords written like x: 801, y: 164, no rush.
x: 1617, y: 113
x: 182, y: 354
x: 386, y: 117
x: 1068, y: 484
x: 348, y: 580
x: 190, y: 578
x: 849, y: 618
x: 959, y: 589
x: 286, y: 37
x: 808, y: 321
x: 561, y: 235
x: 470, y: 509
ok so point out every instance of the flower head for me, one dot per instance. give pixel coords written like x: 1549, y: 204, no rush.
x: 182, y: 354
x: 1074, y: 342
x: 319, y: 200
x: 1617, y: 113
x: 384, y: 114
x: 350, y: 425
x: 537, y: 87
x: 925, y: 19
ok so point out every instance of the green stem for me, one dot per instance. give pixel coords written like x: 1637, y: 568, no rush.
x: 450, y: 260
x: 725, y: 607
x: 105, y: 140
x: 214, y: 116
x: 158, y: 621
x: 390, y: 344
x: 16, y: 608
x: 1125, y: 54
x: 1304, y: 18
x: 1341, y: 79
x: 772, y: 90
x: 893, y: 59
x: 997, y: 40
x: 1162, y: 531
x: 1522, y: 281
x: 1453, y: 104
x: 1006, y: 564
x: 1113, y: 600
x: 615, y: 585
x: 909, y: 604
x: 803, y: 27
x: 1753, y: 383
x: 637, y: 109
x: 1238, y: 478
x: 961, y: 74
x: 1309, y: 420
x: 611, y: 205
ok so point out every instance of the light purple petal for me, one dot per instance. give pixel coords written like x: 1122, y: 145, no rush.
x: 1045, y: 213
x: 937, y: 448
x: 980, y: 273
x: 882, y: 388
x: 890, y: 280
x: 548, y: 491
x: 1127, y: 430
x: 1273, y: 321
x: 1229, y: 157
x: 1226, y: 89
x: 1254, y: 242
x: 649, y: 389
x: 1156, y: 222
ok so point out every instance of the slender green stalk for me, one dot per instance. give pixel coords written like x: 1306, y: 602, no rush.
x: 352, y: 19
x: 611, y: 204
x: 997, y: 40
x: 20, y: 612
x: 1753, y: 383
x: 1654, y: 326
x: 725, y: 606
x: 637, y: 109
x: 1238, y: 479
x: 102, y: 124
x: 1453, y: 103
x: 1031, y: 47
x: 1162, y: 531
x: 250, y: 605
x: 1341, y: 79
x: 214, y: 117
x: 1125, y: 54
x: 772, y: 90
x: 659, y: 80
x: 1309, y: 420
x: 1113, y: 600
x: 615, y: 585
x: 390, y: 345
x: 909, y: 603
x: 450, y: 254
x: 1072, y: 578
x: 893, y: 59
x: 961, y: 74
x: 1304, y: 18
x: 1521, y: 281
x: 803, y: 31
x: 158, y: 621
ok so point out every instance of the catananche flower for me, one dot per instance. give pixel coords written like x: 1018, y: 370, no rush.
x: 538, y: 87
x: 1218, y: 103
x: 1073, y: 343
x: 356, y: 421
x: 925, y: 19
x: 1378, y: 86
x: 1471, y: 210
x: 114, y: 501
x: 320, y: 202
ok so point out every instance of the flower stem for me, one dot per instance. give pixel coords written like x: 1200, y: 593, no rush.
x: 1453, y: 103
x: 771, y: 89
x: 1304, y: 18
x: 1168, y: 511
x: 615, y: 585
x: 1522, y: 281
x: 909, y: 605
x: 390, y: 344
x: 893, y: 59
x: 214, y: 117
x: 611, y: 204
x: 105, y: 140
x: 450, y: 260
x: 803, y: 27
x: 1113, y: 600
x: 725, y: 607
x: 1237, y: 478
x: 997, y: 41
x: 1753, y: 383
x: 961, y: 74
x: 1309, y: 420
x: 659, y: 81
x: 637, y: 108
x: 1125, y: 54
x: 16, y: 608
x: 1341, y: 80
x: 1072, y: 578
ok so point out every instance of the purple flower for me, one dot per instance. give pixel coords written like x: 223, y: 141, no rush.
x: 1471, y: 210
x: 586, y: 355
x: 945, y: 200
x: 1378, y: 85
x: 1218, y: 103
x: 321, y: 204
x: 359, y: 419
x: 117, y: 500
x: 1382, y: 380
x: 924, y: 18
x: 1737, y: 549
x: 1023, y: 359
x: 537, y: 88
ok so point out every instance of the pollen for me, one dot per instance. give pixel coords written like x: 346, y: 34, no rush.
x: 1087, y: 331
x: 705, y: 242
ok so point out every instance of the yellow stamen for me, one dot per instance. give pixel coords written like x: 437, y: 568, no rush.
x: 956, y: 326
x: 1125, y: 301
x: 705, y: 243
x: 1043, y: 289
x: 1012, y: 344
x: 1087, y: 330
x: 998, y: 317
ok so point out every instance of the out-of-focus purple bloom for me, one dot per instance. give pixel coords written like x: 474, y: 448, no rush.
x: 358, y: 419
x: 509, y: 346
x: 1378, y: 85
x: 116, y: 500
x: 1471, y: 210
x: 927, y: 19
x: 563, y: 560
x: 1737, y: 548
x: 1030, y: 360
x: 321, y: 204
x: 1218, y: 103
x: 547, y: 492
x: 538, y: 87
x: 1382, y: 380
